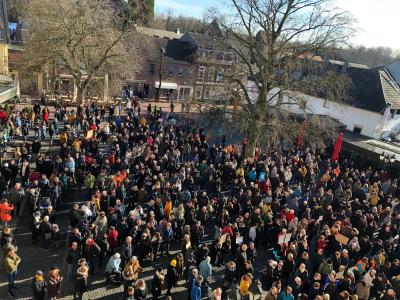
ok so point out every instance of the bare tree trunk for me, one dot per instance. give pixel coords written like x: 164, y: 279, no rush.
x: 80, y: 95
x: 253, y: 137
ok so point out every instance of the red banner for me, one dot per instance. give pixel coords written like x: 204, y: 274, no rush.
x: 337, y: 148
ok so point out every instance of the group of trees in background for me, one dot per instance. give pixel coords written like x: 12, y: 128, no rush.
x: 168, y: 21
x: 271, y: 40
x: 372, y: 57
x: 87, y: 39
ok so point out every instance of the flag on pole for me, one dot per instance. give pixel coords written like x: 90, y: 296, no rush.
x: 300, y: 135
x: 337, y: 148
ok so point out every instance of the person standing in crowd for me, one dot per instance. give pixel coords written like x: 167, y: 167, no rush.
x: 131, y: 272
x: 5, y: 212
x: 53, y: 283
x: 196, y: 288
x: 81, y: 279
x: 172, y: 276
x: 11, y: 262
x: 205, y: 269
x: 38, y: 286
x: 244, y: 286
x: 113, y: 267
x: 157, y: 283
x: 90, y: 251
x: 72, y: 259
x: 140, y: 290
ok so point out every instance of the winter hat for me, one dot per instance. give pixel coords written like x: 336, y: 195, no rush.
x: 173, y: 263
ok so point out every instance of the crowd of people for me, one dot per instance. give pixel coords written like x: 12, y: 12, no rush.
x: 152, y: 186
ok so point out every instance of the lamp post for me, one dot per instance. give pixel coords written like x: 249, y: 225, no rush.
x: 158, y: 91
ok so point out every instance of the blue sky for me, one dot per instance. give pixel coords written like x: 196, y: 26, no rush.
x: 377, y: 21
x: 185, y: 7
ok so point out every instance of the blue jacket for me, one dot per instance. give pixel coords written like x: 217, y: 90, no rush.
x: 252, y: 175
x: 205, y: 269
x: 167, y: 234
x: 113, y: 264
x: 195, y: 294
x: 285, y: 296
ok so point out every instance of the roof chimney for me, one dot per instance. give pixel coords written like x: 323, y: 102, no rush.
x: 177, y: 31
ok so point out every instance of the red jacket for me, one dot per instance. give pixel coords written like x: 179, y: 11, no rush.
x: 227, y: 229
x: 93, y: 127
x: 112, y: 238
x: 45, y: 116
x: 5, y: 210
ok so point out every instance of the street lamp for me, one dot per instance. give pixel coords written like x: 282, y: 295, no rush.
x: 387, y: 158
x: 163, y: 51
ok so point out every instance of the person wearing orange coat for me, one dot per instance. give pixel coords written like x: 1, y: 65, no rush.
x: 5, y: 212
x: 119, y: 177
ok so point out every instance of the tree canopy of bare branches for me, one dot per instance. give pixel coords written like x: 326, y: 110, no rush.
x: 168, y: 21
x: 274, y: 41
x: 84, y: 38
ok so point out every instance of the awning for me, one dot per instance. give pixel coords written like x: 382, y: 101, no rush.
x: 166, y: 85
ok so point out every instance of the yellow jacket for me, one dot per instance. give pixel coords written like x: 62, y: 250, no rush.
x: 373, y: 199
x: 374, y: 189
x: 63, y: 138
x: 11, y: 263
x: 240, y: 172
x: 244, y: 286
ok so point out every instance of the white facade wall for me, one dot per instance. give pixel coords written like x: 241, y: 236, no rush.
x: 372, y: 124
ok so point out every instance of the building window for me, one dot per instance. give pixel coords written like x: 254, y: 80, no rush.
x: 220, y: 74
x: 228, y: 57
x: 211, y: 55
x: 199, y: 91
x: 357, y: 129
x: 207, y: 91
x: 180, y: 72
x: 200, y: 75
x: 220, y: 56
x: 210, y: 74
x: 171, y: 70
x: 152, y: 68
x: 204, y: 54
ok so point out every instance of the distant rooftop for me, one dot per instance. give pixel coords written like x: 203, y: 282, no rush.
x: 349, y: 64
x: 171, y: 35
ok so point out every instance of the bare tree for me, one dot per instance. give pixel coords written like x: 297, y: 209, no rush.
x: 372, y: 57
x: 85, y: 38
x: 170, y: 22
x: 274, y: 42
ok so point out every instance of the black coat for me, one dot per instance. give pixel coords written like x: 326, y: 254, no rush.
x: 81, y: 283
x: 156, y: 285
x: 172, y: 276
x: 38, y: 289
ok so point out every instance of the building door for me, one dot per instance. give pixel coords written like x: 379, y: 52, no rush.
x: 184, y: 93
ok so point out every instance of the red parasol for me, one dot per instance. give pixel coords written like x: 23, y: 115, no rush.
x: 337, y: 148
